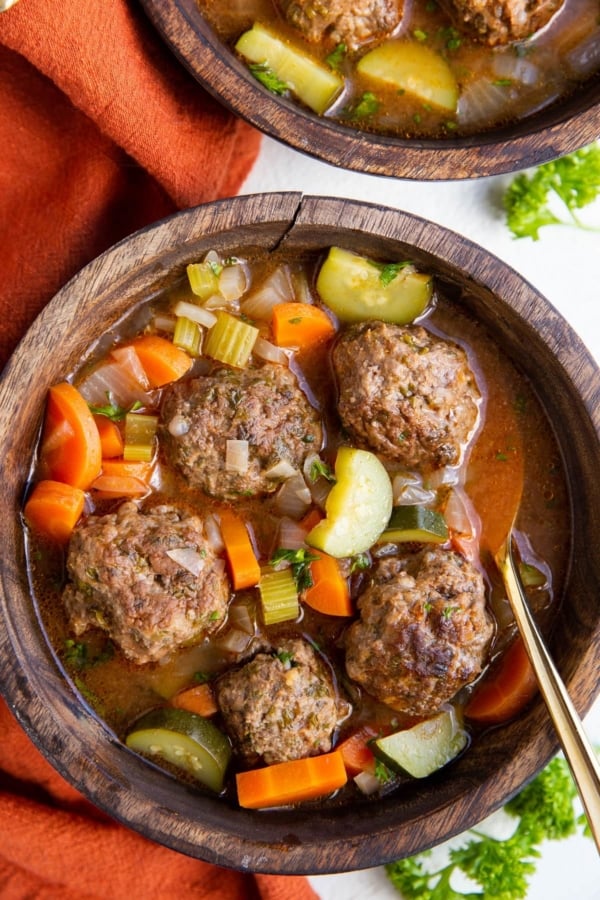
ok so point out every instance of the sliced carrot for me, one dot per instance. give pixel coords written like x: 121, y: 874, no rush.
x: 300, y: 325
x: 121, y: 478
x: 357, y: 755
x: 53, y: 509
x: 71, y: 450
x: 111, y: 439
x: 329, y: 593
x: 312, y: 518
x: 161, y: 360
x: 199, y: 699
x: 506, y: 690
x: 291, y: 782
x: 245, y: 570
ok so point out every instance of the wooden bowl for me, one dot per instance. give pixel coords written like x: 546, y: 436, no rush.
x: 332, y: 838
x: 558, y: 129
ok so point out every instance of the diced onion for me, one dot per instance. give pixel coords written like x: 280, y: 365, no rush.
x: 277, y: 288
x: 482, y: 101
x: 188, y: 558
x: 213, y: 258
x: 213, y: 534
x: 237, y: 456
x: 234, y: 641
x: 178, y: 426
x: 293, y: 497
x: 459, y: 513
x: 447, y: 475
x: 292, y: 536
x: 163, y: 322
x: 517, y: 68
x: 270, y: 353
x: 367, y: 783
x: 409, y: 490
x: 112, y: 380
x: 195, y: 313
x: 232, y: 282
x: 128, y: 358
x: 240, y: 618
x: 281, y: 471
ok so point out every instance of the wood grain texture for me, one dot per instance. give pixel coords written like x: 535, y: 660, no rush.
x: 561, y: 128
x: 334, y: 837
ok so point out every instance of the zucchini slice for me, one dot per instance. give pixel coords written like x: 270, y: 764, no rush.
x: 423, y: 749
x: 356, y: 288
x: 185, y: 740
x: 415, y: 523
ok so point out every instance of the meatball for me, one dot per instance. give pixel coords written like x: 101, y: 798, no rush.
x: 496, y: 22
x: 282, y: 705
x: 406, y: 393
x: 423, y: 631
x: 149, y: 579
x: 349, y: 22
x: 265, y: 407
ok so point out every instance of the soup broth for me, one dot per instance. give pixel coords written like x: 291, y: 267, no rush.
x: 124, y: 674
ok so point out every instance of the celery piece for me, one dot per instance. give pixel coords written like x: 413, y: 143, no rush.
x: 279, y: 596
x: 316, y: 85
x: 415, y: 523
x: 357, y: 289
x: 358, y: 506
x: 187, y: 336
x: 414, y: 68
x: 203, y: 279
x: 140, y: 431
x: 230, y: 340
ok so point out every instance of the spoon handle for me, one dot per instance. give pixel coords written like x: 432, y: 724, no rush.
x: 576, y: 746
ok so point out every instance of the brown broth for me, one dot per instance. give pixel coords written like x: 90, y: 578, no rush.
x: 496, y: 86
x: 120, y: 690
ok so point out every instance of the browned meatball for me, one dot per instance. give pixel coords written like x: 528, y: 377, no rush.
x: 496, y: 22
x: 265, y: 407
x: 349, y: 22
x: 406, y: 393
x: 423, y: 631
x: 149, y: 579
x: 282, y: 705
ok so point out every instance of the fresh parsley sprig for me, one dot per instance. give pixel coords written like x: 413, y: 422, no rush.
x: 299, y: 561
x: 574, y: 180
x: 501, y: 868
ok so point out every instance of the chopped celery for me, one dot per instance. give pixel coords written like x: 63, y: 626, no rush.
x: 230, y: 340
x: 356, y: 288
x: 279, y: 596
x: 185, y: 740
x: 357, y: 507
x: 425, y: 748
x: 203, y: 279
x: 140, y: 431
x: 414, y: 68
x: 415, y: 523
x: 187, y: 336
x: 316, y: 85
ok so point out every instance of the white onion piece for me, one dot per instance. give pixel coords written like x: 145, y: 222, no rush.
x: 414, y: 495
x: 517, y: 68
x: 293, y: 497
x: 195, y: 313
x: 214, y: 538
x: 237, y: 456
x: 292, y: 536
x: 112, y: 380
x: 281, y: 471
x: 212, y: 257
x: 128, y: 358
x: 269, y: 352
x: 459, y: 513
x: 447, y: 475
x: 277, y: 288
x: 367, y: 783
x: 233, y: 282
x: 235, y: 641
x: 240, y: 618
x: 178, y: 426
x: 215, y: 301
x: 188, y: 558
x: 319, y: 491
x: 163, y: 322
x: 481, y: 102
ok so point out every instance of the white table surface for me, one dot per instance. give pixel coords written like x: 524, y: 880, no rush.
x: 562, y: 265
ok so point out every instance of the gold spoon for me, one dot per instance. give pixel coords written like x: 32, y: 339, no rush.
x: 498, y: 509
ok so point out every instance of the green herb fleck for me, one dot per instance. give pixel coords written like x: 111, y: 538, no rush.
x: 112, y: 410
x: 366, y: 106
x: 320, y: 469
x: 420, y: 35
x: 202, y: 677
x: 360, y: 562
x: 382, y: 773
x: 299, y: 561
x: 335, y: 59
x: 448, y: 612
x: 502, y: 82
x: 285, y: 658
x: 267, y: 77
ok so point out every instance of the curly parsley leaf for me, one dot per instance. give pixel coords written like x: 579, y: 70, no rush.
x: 501, y: 869
x: 573, y: 179
x: 112, y: 410
x: 267, y: 77
x: 299, y: 561
x: 335, y: 59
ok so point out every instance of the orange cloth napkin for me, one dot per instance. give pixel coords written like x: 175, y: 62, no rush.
x: 101, y: 132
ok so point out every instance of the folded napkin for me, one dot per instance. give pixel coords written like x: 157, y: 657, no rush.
x: 101, y: 132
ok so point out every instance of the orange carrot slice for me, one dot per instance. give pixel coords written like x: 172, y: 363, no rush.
x: 161, y: 360
x: 291, y: 782
x: 329, y: 593
x: 53, y: 509
x: 300, y: 325
x: 245, y: 570
x: 71, y: 451
x: 121, y: 478
x: 199, y: 699
x: 506, y: 690
x: 111, y: 439
x: 357, y: 755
